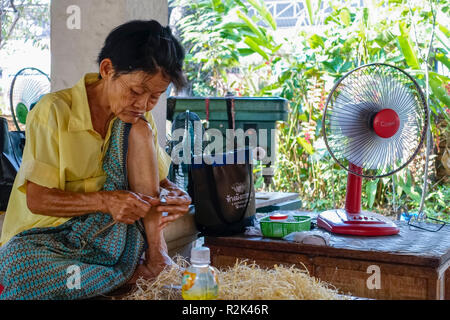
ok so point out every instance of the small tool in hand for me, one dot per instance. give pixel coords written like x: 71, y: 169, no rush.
x: 162, y: 198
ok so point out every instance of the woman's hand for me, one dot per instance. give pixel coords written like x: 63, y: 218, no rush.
x: 176, y: 205
x: 126, y: 206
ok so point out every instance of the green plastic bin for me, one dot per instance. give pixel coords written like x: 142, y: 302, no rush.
x: 250, y: 112
x: 279, y: 229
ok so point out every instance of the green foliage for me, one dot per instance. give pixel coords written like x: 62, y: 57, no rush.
x: 217, y: 34
x: 28, y: 20
x: 221, y: 37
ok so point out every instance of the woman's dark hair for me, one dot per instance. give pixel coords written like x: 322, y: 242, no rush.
x: 145, y: 46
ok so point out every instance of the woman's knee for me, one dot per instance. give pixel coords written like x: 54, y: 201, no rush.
x: 141, y: 144
x: 141, y: 131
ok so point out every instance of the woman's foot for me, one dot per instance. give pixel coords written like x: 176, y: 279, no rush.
x: 156, y: 264
x: 142, y: 272
x: 150, y: 269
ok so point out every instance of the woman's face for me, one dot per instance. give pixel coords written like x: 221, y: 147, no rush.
x: 131, y: 95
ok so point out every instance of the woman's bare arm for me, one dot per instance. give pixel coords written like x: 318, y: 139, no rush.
x: 124, y: 206
x: 58, y: 203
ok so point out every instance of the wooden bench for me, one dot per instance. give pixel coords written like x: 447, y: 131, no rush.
x: 413, y: 264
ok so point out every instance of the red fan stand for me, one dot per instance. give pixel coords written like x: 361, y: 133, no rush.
x: 352, y: 220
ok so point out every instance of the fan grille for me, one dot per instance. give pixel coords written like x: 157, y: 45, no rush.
x: 351, y: 106
x: 27, y: 86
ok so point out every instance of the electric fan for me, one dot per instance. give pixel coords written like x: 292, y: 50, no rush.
x: 27, y: 87
x: 374, y: 124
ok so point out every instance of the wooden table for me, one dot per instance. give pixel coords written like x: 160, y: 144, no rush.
x: 264, y: 199
x: 413, y: 264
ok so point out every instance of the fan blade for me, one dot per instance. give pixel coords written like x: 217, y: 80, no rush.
x: 350, y: 111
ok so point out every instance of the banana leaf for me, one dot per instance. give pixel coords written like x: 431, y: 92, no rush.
x: 440, y: 56
x: 437, y: 83
x: 245, y: 51
x: 444, y: 29
x: 407, y: 48
x: 371, y: 191
x: 310, y: 11
x: 255, y: 47
x: 261, y: 43
x: 251, y: 25
x: 264, y: 13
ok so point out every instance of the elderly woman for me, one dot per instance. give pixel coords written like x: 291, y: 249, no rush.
x: 85, y: 204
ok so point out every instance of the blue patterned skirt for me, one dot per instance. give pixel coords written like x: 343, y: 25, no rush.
x: 74, y: 260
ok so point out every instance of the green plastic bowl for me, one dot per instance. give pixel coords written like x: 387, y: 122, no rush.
x: 279, y: 229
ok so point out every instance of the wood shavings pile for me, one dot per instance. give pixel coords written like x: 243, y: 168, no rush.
x: 251, y: 282
x: 241, y: 282
x: 161, y: 288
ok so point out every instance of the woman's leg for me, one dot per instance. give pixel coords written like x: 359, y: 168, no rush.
x: 143, y: 177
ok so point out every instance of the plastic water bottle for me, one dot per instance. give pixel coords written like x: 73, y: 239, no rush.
x: 200, y: 280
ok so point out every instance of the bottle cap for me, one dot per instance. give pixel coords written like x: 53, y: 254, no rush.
x: 278, y: 217
x: 200, y: 255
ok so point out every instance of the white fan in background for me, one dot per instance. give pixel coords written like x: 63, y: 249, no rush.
x: 27, y: 87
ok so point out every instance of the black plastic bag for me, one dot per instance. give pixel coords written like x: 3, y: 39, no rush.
x: 11, y: 148
x: 223, y: 194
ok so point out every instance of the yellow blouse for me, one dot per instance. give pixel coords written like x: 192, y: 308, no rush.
x: 62, y: 150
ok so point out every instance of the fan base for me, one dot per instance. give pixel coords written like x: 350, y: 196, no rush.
x: 361, y: 224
